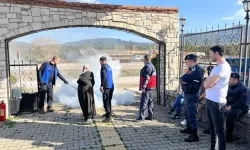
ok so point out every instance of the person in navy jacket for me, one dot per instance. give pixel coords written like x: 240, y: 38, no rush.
x: 107, y: 88
x: 48, y: 74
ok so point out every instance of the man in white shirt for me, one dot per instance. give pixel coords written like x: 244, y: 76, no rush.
x: 216, y: 87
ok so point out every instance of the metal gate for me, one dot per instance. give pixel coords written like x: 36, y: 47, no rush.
x: 201, y: 42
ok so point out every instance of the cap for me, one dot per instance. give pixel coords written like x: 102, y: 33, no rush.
x: 235, y: 75
x: 191, y: 57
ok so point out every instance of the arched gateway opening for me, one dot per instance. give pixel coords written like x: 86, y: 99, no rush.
x: 23, y: 17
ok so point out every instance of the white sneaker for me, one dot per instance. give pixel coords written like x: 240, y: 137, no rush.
x: 184, y: 122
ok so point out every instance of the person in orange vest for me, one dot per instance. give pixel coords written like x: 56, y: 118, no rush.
x: 147, y: 86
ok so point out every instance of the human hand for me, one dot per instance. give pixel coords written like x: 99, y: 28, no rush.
x: 101, y: 89
x: 143, y: 90
x: 228, y: 108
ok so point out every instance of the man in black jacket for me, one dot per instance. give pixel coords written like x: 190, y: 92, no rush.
x: 237, y: 98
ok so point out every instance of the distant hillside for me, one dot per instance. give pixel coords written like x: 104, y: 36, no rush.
x: 108, y: 43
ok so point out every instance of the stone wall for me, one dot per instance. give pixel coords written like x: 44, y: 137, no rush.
x: 23, y: 17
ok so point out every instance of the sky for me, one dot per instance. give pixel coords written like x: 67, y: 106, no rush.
x: 199, y: 14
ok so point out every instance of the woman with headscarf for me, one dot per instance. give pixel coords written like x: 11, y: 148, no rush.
x: 86, y: 83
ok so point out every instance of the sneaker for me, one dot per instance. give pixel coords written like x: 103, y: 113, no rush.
x: 50, y: 110
x: 89, y: 122
x: 41, y: 111
x: 176, y: 117
x: 186, y: 130
x: 139, y: 119
x: 184, y: 122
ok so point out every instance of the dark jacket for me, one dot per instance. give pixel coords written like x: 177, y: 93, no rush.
x: 148, y: 77
x: 237, y: 96
x: 192, y: 80
x: 86, y: 81
x: 45, y: 71
x: 106, y: 77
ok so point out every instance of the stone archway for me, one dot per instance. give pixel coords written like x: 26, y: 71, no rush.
x: 23, y: 17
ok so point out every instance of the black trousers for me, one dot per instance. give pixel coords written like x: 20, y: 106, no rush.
x: 231, y: 115
x: 215, y: 114
x: 46, y: 89
x: 107, y: 97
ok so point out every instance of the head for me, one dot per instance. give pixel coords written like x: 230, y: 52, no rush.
x: 216, y: 53
x: 55, y: 60
x: 191, y: 60
x: 85, y: 68
x: 147, y: 58
x: 103, y: 60
x: 234, y: 79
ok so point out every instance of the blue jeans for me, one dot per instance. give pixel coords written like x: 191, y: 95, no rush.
x: 178, y: 104
x: 215, y: 114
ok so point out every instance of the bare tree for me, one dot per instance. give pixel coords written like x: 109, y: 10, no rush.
x: 44, y: 48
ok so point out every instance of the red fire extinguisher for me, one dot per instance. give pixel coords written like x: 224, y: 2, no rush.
x: 2, y: 111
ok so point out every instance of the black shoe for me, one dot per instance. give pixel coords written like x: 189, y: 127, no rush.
x: 41, y: 111
x: 148, y: 118
x: 104, y: 115
x: 176, y: 117
x: 192, y: 137
x: 49, y: 109
x: 207, y: 131
x: 107, y: 120
x: 140, y: 119
x: 171, y: 111
x: 186, y: 130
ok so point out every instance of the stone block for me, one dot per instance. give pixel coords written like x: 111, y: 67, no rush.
x: 11, y: 26
x: 101, y: 16
x: 56, y: 18
x: 4, y: 21
x: 27, y: 18
x: 77, y: 21
x: 23, y: 30
x: 45, y: 18
x: 92, y: 14
x: 11, y: 15
x: 84, y: 14
x: 36, y: 26
x: 37, y: 19
x: 78, y: 15
x: 35, y: 12
x: 17, y: 10
x: 71, y: 17
x: 44, y: 12
x: 25, y: 13
x: 117, y: 18
x: 3, y: 31
x: 4, y: 9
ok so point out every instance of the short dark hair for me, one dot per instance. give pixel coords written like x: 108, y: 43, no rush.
x: 103, y: 58
x: 219, y: 49
x: 147, y: 57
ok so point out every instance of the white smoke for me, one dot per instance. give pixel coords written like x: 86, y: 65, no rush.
x: 67, y: 95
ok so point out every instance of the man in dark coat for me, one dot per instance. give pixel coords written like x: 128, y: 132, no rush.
x: 86, y: 83
x: 237, y: 98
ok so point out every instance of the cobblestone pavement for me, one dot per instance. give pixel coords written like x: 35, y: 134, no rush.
x: 63, y: 130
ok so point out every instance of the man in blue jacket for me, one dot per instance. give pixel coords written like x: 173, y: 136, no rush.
x: 237, y: 98
x: 48, y: 74
x: 107, y: 88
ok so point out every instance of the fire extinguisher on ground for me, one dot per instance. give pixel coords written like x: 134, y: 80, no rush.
x: 2, y: 111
